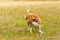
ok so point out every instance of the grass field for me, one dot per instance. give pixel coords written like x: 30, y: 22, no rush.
x: 13, y: 26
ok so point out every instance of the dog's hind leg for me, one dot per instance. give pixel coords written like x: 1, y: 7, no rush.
x: 40, y: 30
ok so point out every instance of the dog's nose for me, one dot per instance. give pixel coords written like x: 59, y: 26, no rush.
x: 24, y: 16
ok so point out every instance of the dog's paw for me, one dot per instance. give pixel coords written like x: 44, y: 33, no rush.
x: 41, y: 32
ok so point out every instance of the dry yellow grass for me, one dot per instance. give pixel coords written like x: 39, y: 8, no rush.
x: 13, y: 26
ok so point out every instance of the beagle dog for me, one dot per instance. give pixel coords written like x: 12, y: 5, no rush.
x: 33, y: 20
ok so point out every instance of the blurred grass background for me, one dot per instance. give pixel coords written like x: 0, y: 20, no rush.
x: 26, y: 0
x: 13, y: 26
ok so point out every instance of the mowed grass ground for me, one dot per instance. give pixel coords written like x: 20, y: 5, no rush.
x: 13, y: 26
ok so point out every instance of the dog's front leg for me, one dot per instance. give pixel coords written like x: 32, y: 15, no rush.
x: 30, y: 29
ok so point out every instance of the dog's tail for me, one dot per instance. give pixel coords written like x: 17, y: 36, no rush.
x: 27, y: 10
